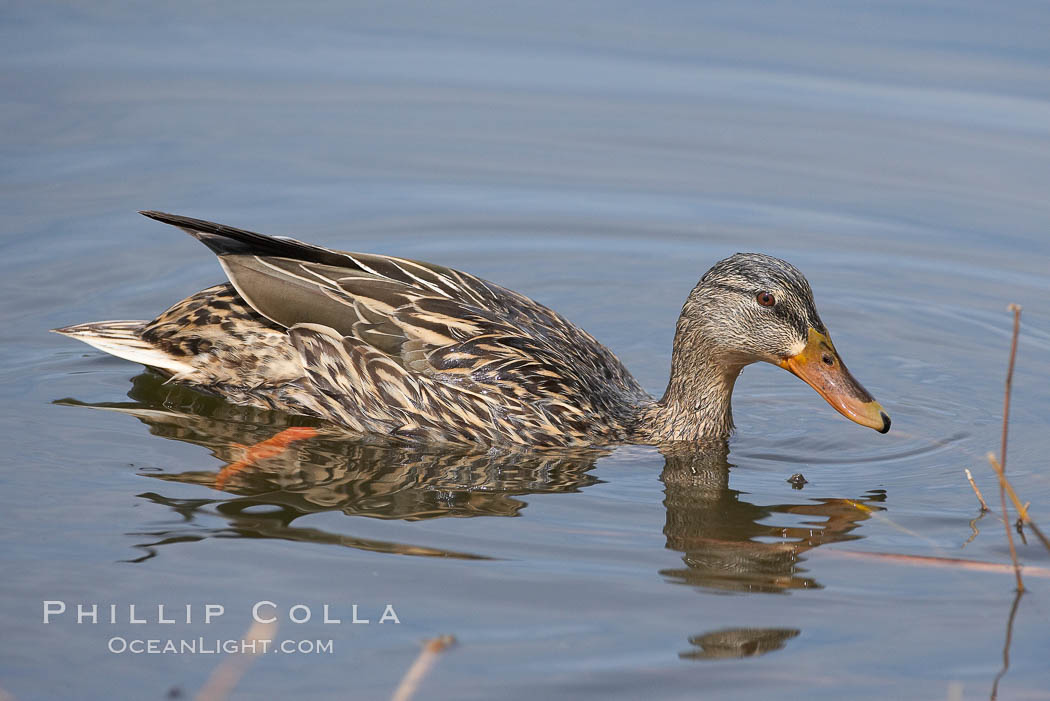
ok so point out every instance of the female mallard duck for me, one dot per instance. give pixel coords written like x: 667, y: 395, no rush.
x: 417, y: 351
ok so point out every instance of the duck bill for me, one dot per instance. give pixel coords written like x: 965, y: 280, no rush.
x: 819, y: 366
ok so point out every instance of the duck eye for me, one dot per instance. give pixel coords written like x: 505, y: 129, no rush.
x: 766, y: 299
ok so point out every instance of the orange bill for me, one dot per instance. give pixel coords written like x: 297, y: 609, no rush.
x: 819, y: 366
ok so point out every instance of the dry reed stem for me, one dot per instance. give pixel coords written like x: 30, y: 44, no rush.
x: 1004, y: 486
x: 1002, y: 450
x: 1022, y: 509
x: 224, y: 678
x: 1016, y: 309
x: 419, y: 669
x: 980, y: 497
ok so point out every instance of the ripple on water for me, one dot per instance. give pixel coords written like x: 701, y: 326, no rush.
x: 842, y: 452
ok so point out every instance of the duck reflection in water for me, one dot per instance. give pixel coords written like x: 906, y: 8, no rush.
x: 724, y: 541
x: 298, y: 467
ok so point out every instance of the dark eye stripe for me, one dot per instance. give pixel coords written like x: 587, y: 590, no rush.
x: 800, y: 321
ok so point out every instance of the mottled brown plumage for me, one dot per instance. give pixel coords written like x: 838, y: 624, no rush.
x: 421, y: 352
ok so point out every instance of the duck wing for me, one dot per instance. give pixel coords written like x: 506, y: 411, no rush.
x: 395, y: 323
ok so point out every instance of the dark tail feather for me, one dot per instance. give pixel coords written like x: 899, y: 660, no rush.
x: 226, y: 241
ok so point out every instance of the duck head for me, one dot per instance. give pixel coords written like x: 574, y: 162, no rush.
x: 755, y: 308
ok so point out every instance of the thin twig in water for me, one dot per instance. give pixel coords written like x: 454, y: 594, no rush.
x: 410, y: 682
x: 1022, y: 509
x: 224, y: 678
x: 1016, y: 309
x: 1002, y: 450
x: 980, y: 497
x: 1006, y: 645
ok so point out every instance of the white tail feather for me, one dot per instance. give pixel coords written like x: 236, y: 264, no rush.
x: 122, y: 339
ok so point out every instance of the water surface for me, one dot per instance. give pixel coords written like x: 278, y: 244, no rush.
x: 598, y: 159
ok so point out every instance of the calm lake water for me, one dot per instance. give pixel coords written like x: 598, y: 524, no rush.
x: 599, y: 159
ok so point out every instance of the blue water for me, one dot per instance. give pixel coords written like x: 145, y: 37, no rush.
x: 598, y: 158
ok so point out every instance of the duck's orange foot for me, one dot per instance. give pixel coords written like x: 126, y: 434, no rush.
x: 268, y: 448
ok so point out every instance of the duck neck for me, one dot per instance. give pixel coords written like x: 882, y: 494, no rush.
x: 697, y: 403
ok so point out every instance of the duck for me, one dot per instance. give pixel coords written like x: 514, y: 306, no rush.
x: 419, y: 352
